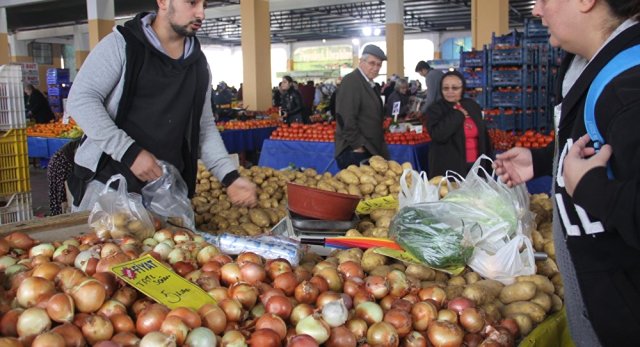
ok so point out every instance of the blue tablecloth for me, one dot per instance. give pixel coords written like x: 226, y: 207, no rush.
x: 319, y: 155
x: 37, y: 147
x: 242, y: 140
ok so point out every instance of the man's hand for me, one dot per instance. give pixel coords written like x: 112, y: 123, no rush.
x: 242, y: 192
x: 514, y: 166
x: 580, y: 159
x: 145, y: 167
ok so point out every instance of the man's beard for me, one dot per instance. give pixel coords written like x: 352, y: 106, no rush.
x: 184, y: 30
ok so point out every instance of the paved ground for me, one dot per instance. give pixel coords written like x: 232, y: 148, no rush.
x: 39, y: 191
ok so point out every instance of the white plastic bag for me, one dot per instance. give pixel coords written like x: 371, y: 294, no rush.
x: 420, y: 191
x: 167, y: 196
x: 512, y: 260
x: 119, y: 213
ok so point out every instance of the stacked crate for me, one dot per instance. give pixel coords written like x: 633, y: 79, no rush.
x: 15, y: 187
x: 473, y: 66
x: 58, y: 86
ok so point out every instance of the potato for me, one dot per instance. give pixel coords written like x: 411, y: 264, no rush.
x: 336, y: 184
x: 377, y: 232
x: 524, y: 323
x: 493, y: 310
x: 543, y: 283
x: 382, y: 212
x: 556, y: 303
x: 420, y: 272
x: 354, y: 190
x: 472, y: 277
x: 457, y: 281
x: 353, y: 233
x: 119, y: 219
x: 436, y: 180
x: 382, y: 271
x: 543, y: 300
x: 378, y: 163
x: 534, y: 311
x: 371, y: 260
x: 494, y: 287
x: 395, y: 167
x: 324, y: 185
x: 453, y: 291
x: 407, y: 166
x: 478, y: 293
x: 251, y: 229
x: 519, y: 291
x: 394, y: 189
x: 381, y: 189
x: 365, y: 225
x: 400, y: 267
x: 538, y: 240
x: 310, y: 172
x: 348, y: 177
x: 547, y: 267
x: 259, y: 217
x: 368, y: 179
x: 441, y: 277
x: 383, y: 222
x: 550, y: 249
x: 366, y: 188
x: 367, y: 170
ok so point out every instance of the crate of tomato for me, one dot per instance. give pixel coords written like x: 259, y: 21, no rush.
x: 406, y: 138
x: 534, y: 139
x: 317, y: 132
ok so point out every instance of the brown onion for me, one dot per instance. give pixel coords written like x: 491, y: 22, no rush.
x: 69, y: 277
x: 174, y: 326
x: 445, y: 334
x: 49, y: 339
x: 61, y: 308
x: 435, y: 293
x: 402, y: 304
x: 358, y: 327
x: 333, y: 278
x: 264, y: 338
x: 252, y: 273
x: 320, y: 283
x: 251, y: 257
x: 306, y: 292
x: 299, y: 312
x: 341, y: 337
x: 302, y: 341
x: 213, y: 317
x: 370, y: 312
x: 377, y: 286
x: 244, y: 294
x: 126, y: 339
x: 302, y: 274
x: 386, y: 302
x: 9, y: 322
x: 122, y: 323
x: 287, y: 282
x: 150, y: 319
x: 362, y: 296
x: 279, y: 305
x: 351, y: 269
x: 233, y: 310
x: 277, y: 267
x: 20, y: 240
x: 97, y: 328
x: 448, y: 315
x: 460, y: 303
x: 219, y: 293
x: 315, y: 327
x: 72, y: 335
x: 400, y: 320
x: 105, y: 264
x: 233, y: 338
x: 107, y: 279
x: 32, y: 288
x: 140, y: 305
x: 4, y: 247
x: 190, y: 317
x: 325, y: 298
x: 182, y: 268
x: 352, y: 286
x: 111, y: 307
x: 382, y: 334
x: 472, y: 340
x: 126, y: 295
x: 273, y: 322
x: 230, y: 273
x: 422, y: 314
x: 472, y: 320
x: 511, y: 325
x: 267, y: 294
x: 88, y: 295
x: 33, y: 321
x: 47, y: 270
x: 414, y: 339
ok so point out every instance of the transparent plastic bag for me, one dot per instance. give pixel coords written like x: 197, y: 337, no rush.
x: 267, y: 246
x: 119, y: 213
x: 419, y: 191
x: 167, y: 196
x: 515, y: 258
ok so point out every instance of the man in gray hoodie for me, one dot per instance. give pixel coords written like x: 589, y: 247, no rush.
x: 143, y: 94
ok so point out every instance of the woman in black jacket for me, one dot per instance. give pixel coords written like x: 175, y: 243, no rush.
x: 458, y: 132
x: 38, y: 105
x: 291, y: 102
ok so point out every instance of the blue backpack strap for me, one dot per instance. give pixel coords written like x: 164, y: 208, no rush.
x: 623, y: 61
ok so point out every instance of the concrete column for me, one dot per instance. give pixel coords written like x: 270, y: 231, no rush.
x: 5, y: 52
x: 101, y: 15
x: 492, y: 16
x: 395, y: 37
x: 19, y: 50
x: 355, y: 43
x: 256, y: 54
x: 81, y: 45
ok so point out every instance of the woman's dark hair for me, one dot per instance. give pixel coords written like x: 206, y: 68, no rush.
x: 625, y: 8
x: 288, y: 78
x: 457, y: 74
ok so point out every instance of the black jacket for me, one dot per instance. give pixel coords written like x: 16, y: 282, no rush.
x: 292, y: 102
x: 447, y: 150
x: 395, y: 97
x: 39, y: 107
x: 607, y: 264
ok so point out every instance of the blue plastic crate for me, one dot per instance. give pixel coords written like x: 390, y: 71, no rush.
x: 57, y: 80
x: 502, y: 121
x: 542, y: 119
x: 478, y: 95
x: 512, y: 56
x: 473, y: 59
x: 505, y: 78
x: 539, y: 41
x: 534, y: 27
x: 475, y: 79
x: 58, y: 91
x: 55, y: 72
x: 512, y: 39
x: 527, y: 121
x: 514, y: 98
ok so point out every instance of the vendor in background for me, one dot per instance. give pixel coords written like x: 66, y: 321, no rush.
x: 291, y: 103
x: 458, y: 132
x: 400, y: 94
x: 37, y: 105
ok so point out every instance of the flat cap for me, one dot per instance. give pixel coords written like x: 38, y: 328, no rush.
x: 374, y: 51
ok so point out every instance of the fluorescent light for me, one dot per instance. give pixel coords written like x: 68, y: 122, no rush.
x: 355, y: 41
x: 366, y: 31
x: 376, y: 32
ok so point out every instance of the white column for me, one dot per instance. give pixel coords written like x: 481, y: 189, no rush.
x: 394, y: 11
x: 101, y: 18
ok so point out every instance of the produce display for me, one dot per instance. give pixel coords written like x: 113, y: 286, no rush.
x: 56, y: 129
x: 534, y: 139
x: 325, y: 132
x: 248, y: 124
x: 503, y: 140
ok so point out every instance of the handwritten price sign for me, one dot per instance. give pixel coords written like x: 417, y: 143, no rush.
x: 366, y: 206
x: 159, y: 282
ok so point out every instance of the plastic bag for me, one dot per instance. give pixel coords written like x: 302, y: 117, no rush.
x: 439, y: 243
x: 513, y: 259
x: 268, y: 246
x: 420, y: 191
x: 167, y: 196
x: 119, y: 213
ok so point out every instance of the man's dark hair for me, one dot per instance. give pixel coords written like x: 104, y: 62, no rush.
x: 422, y: 65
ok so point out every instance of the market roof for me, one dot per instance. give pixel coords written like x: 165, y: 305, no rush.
x: 291, y: 20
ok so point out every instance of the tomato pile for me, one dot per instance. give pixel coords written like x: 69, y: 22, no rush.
x: 534, y: 139
x: 317, y: 132
x: 408, y: 138
x: 502, y: 140
x: 249, y: 124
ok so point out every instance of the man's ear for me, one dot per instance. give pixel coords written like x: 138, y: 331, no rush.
x: 586, y: 5
x: 162, y: 4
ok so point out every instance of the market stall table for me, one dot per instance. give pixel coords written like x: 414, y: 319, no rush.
x: 44, y: 148
x: 279, y: 154
x: 242, y: 140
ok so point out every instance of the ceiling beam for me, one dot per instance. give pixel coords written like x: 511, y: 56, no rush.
x: 12, y: 3
x: 276, y: 5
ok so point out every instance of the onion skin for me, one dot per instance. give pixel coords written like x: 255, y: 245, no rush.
x: 382, y: 335
x: 341, y: 337
x: 445, y: 334
x: 302, y: 341
x: 264, y: 338
x: 9, y: 322
x: 49, y: 339
x: 31, y: 289
x: 97, y: 328
x: 190, y: 317
x: 88, y: 295
x: 459, y: 304
x: 61, y: 308
x: 126, y: 339
x: 414, y: 339
x: 33, y: 321
x: 400, y: 320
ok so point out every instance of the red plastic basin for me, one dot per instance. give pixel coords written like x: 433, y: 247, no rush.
x: 321, y: 204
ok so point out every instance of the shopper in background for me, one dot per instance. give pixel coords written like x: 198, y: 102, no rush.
x: 37, y: 105
x: 432, y: 83
x: 401, y: 95
x: 291, y: 101
x: 596, y: 219
x: 59, y: 169
x: 307, y: 93
x: 359, y: 112
x: 458, y: 132
x: 142, y: 95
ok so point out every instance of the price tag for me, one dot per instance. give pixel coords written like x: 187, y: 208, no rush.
x: 159, y: 282
x: 366, y: 206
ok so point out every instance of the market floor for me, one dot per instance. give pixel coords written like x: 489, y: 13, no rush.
x: 39, y: 191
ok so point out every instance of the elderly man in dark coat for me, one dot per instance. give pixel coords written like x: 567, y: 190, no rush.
x: 359, y: 112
